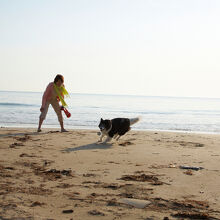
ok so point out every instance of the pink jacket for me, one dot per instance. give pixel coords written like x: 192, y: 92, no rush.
x: 47, y: 94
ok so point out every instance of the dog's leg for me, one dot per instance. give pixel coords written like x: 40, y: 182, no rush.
x: 118, y: 137
x: 102, y: 135
x: 108, y: 139
x: 115, y: 136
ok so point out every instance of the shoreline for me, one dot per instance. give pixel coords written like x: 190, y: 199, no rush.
x: 94, y: 128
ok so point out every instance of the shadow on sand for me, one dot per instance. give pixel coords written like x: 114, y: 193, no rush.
x: 93, y: 146
x: 19, y: 134
x: 27, y: 133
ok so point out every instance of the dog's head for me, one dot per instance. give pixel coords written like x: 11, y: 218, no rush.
x: 104, y: 125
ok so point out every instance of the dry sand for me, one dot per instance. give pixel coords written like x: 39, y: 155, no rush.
x: 55, y: 175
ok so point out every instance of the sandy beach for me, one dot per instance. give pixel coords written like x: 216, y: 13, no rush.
x: 53, y: 175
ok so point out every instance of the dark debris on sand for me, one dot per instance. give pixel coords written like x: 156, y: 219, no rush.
x: 95, y: 212
x: 34, y: 204
x: 193, y: 215
x: 189, y: 209
x: 142, y: 178
x: 53, y: 174
x: 9, y: 188
x: 16, y: 145
x: 125, y: 143
x: 89, y: 175
x: 26, y: 155
x: 67, y: 211
x: 23, y: 139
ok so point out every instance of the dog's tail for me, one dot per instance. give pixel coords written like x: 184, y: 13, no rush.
x: 134, y: 120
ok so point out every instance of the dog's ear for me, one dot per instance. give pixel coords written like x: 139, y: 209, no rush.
x: 102, y: 119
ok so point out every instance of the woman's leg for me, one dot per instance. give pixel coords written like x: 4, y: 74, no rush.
x: 57, y: 109
x: 43, y: 116
x: 39, y: 125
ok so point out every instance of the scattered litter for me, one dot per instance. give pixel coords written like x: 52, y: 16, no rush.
x: 137, y: 203
x: 191, y: 168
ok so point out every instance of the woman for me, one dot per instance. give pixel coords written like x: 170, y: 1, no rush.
x: 54, y: 93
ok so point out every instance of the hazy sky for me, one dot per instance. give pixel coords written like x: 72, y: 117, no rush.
x: 139, y: 47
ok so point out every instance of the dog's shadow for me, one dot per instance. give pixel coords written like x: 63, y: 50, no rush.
x: 93, y: 146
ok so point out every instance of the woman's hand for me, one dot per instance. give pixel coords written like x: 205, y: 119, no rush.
x: 41, y: 109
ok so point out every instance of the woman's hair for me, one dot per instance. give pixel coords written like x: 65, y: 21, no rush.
x: 58, y: 77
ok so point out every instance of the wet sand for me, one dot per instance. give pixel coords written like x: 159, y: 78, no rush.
x: 55, y: 175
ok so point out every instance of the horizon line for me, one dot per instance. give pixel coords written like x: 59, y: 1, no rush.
x: 108, y: 94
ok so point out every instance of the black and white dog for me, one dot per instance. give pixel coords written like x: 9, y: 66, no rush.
x: 116, y: 127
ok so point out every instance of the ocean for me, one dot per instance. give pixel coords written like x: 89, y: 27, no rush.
x: 21, y: 109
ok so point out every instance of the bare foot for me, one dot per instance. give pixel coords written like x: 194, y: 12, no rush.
x: 39, y: 130
x: 64, y: 130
